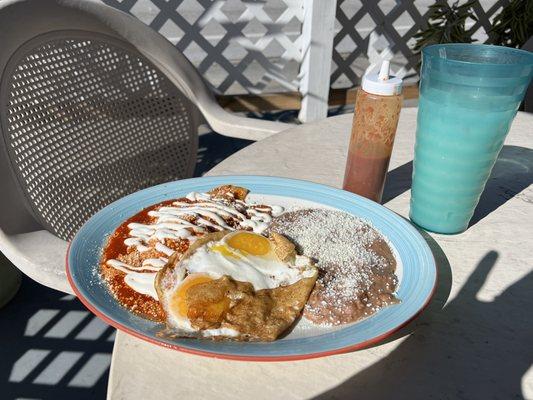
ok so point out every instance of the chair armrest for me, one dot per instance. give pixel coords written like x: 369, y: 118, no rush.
x: 232, y: 125
x: 39, y: 255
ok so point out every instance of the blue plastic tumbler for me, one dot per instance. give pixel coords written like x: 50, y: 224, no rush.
x: 469, y: 95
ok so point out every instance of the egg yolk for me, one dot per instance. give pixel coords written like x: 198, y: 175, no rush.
x: 179, y: 302
x: 209, y: 312
x: 251, y: 243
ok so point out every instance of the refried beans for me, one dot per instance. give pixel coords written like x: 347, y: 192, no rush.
x: 356, y: 265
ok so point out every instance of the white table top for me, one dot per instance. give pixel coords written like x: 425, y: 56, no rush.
x: 473, y: 341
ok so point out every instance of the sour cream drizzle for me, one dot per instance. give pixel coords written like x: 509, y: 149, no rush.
x: 170, y: 223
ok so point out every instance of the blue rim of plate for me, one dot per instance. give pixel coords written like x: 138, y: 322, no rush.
x: 415, y: 291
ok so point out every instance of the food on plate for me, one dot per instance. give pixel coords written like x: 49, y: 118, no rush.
x: 143, y: 244
x: 238, y: 285
x: 217, y: 265
x: 356, y: 264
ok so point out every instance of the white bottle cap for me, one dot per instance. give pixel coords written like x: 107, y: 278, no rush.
x: 382, y: 83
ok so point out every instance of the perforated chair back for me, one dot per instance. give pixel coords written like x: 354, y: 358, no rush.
x: 87, y: 119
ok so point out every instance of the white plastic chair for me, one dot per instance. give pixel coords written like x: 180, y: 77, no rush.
x: 94, y: 105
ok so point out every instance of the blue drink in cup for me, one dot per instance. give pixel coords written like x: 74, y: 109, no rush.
x: 469, y: 95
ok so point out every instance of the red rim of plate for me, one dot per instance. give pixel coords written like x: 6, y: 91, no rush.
x: 308, y: 356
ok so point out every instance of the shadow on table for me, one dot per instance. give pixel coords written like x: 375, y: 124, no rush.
x: 398, y: 181
x: 471, y: 349
x: 440, y: 296
x: 512, y: 173
x: 51, y: 347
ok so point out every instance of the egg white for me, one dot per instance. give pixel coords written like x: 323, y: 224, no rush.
x: 263, y: 272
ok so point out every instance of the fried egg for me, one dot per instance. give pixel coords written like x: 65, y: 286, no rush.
x: 226, y: 280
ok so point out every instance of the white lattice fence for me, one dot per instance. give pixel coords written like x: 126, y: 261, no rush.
x: 370, y: 31
x: 261, y: 46
x: 238, y: 45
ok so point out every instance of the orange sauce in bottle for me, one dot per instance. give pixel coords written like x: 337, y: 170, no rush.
x: 373, y: 130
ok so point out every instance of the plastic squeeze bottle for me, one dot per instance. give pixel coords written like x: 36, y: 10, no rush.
x: 377, y: 109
